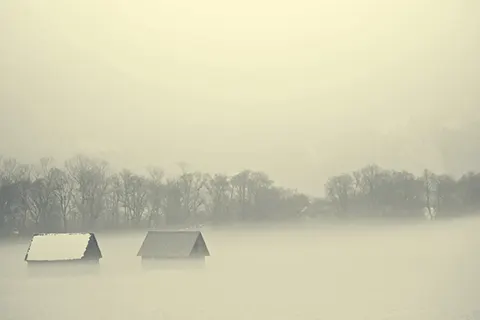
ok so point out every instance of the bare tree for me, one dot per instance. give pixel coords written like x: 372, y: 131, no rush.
x: 125, y: 179
x: 339, y: 189
x: 172, y: 207
x: 14, y: 183
x: 240, y: 186
x: 192, y: 187
x: 370, y: 181
x: 113, y: 200
x: 220, y: 196
x: 429, y: 188
x: 63, y: 191
x: 12, y: 171
x: 134, y: 196
x: 91, y: 179
x: 40, y: 194
x: 445, y: 195
x: 262, y: 197
x: 156, y: 196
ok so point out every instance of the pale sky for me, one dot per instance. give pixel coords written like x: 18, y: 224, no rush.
x: 299, y: 89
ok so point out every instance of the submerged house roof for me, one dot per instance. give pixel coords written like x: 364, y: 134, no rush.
x: 173, y: 244
x: 63, y: 247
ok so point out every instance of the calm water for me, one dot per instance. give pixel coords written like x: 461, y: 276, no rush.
x: 415, y: 272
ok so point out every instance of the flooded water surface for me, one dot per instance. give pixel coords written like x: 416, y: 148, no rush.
x: 410, y: 272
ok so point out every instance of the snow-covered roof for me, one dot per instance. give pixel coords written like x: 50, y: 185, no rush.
x: 62, y: 246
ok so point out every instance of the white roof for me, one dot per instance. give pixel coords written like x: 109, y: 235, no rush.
x: 58, y: 246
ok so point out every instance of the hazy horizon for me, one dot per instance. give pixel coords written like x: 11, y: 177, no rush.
x: 299, y: 90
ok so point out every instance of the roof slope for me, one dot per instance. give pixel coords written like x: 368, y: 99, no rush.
x: 173, y: 244
x: 62, y: 247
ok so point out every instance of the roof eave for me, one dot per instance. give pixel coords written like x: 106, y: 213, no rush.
x: 64, y: 260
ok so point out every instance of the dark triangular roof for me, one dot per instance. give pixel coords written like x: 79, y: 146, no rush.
x: 93, y: 249
x: 63, y: 247
x: 173, y: 244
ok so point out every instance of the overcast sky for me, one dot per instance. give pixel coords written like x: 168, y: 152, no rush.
x: 300, y: 89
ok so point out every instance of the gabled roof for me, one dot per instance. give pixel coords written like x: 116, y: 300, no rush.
x: 173, y: 244
x: 63, y: 247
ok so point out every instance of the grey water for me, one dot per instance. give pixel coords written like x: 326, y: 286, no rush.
x: 424, y: 271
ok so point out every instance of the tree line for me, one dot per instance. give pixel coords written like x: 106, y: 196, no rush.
x: 374, y: 191
x: 84, y: 194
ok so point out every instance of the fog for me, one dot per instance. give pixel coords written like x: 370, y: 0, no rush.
x: 301, y: 90
x: 424, y: 271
